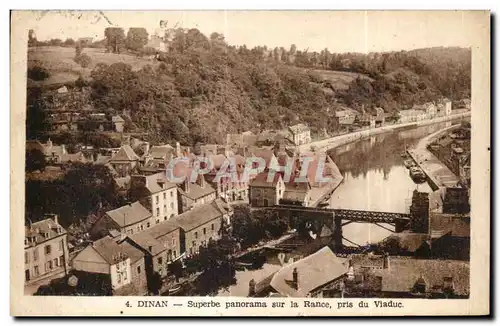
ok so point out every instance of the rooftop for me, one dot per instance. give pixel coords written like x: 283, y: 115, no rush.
x: 403, y: 273
x: 43, y: 230
x: 199, y: 215
x: 129, y: 214
x: 313, y: 271
x: 125, y: 153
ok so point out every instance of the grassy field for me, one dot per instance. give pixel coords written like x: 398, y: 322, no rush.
x: 59, y: 61
x: 339, y: 79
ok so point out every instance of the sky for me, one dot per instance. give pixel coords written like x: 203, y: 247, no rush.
x: 339, y: 31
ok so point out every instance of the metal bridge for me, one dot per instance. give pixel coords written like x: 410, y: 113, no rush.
x: 349, y: 215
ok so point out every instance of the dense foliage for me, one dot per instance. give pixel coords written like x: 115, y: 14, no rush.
x: 204, y: 88
x: 83, y: 190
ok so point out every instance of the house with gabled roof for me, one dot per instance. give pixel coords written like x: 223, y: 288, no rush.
x: 118, y: 262
x: 128, y: 219
x: 124, y: 161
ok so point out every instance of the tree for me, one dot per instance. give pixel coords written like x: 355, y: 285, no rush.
x: 31, y: 38
x: 83, y: 60
x: 78, y: 49
x: 293, y: 49
x: 69, y: 42
x: 137, y: 38
x: 35, y: 160
x: 115, y: 37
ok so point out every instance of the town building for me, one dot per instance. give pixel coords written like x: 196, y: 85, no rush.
x: 318, y: 275
x: 125, y: 161
x: 121, y: 265
x: 409, y: 278
x: 202, y: 224
x: 193, y: 194
x: 118, y: 123
x: 156, y: 194
x: 45, y: 252
x: 300, y: 134
x: 345, y: 117
x: 53, y: 153
x: 263, y: 192
x: 160, y: 245
x: 128, y: 219
x: 229, y: 183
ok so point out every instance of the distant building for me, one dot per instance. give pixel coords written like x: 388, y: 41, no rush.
x: 300, y: 134
x: 53, y: 153
x: 118, y: 262
x: 118, y: 123
x: 85, y: 40
x: 125, y: 161
x: 317, y: 275
x: 45, y: 251
x: 345, y: 117
x: 128, y: 219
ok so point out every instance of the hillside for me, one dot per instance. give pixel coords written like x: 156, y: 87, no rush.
x: 204, y: 88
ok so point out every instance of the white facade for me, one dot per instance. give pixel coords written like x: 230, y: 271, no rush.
x: 164, y: 204
x: 120, y: 274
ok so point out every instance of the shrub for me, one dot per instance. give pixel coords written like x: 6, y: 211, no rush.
x: 83, y: 60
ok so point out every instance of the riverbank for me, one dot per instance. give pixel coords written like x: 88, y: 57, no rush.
x: 330, y: 143
x: 438, y: 174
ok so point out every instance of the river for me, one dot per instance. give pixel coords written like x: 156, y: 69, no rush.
x: 374, y: 179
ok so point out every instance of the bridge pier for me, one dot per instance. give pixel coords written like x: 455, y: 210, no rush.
x: 400, y: 226
x: 337, y: 232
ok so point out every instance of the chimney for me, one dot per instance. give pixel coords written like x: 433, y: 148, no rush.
x: 251, y: 288
x: 63, y: 147
x: 201, y: 180
x: 295, y: 279
x: 146, y: 147
x: 185, y: 184
x: 49, y: 143
x: 178, y: 149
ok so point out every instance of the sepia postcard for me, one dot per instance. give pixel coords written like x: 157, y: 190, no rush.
x: 250, y: 163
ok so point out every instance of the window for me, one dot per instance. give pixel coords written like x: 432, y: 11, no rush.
x: 48, y: 249
x: 37, y: 271
x: 148, y: 225
x: 124, y: 276
x: 157, y: 199
x: 172, y: 205
x: 171, y: 194
x: 157, y: 221
x: 157, y: 211
x: 204, y: 231
x: 164, y: 195
x: 160, y: 260
x: 175, y: 253
x: 165, y: 218
x: 173, y: 242
x: 195, y: 235
x: 213, y: 227
x: 138, y: 269
x: 165, y: 207
x: 118, y: 278
x: 142, y: 227
x: 61, y: 245
x: 61, y: 261
x: 138, y: 228
x: 26, y: 257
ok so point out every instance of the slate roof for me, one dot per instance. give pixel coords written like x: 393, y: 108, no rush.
x: 402, y: 274
x: 261, y: 180
x: 360, y: 261
x: 197, y: 216
x: 113, y: 252
x: 146, y: 241
x: 163, y: 151
x: 129, y: 214
x: 313, y: 271
x: 196, y: 191
x: 43, y: 230
x: 125, y: 153
x: 410, y: 241
x: 102, y: 160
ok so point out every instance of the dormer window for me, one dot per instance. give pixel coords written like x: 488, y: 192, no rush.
x: 420, y: 286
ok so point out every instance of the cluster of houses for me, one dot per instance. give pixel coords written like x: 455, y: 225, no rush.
x: 431, y: 260
x: 65, y: 113
x: 166, y: 221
